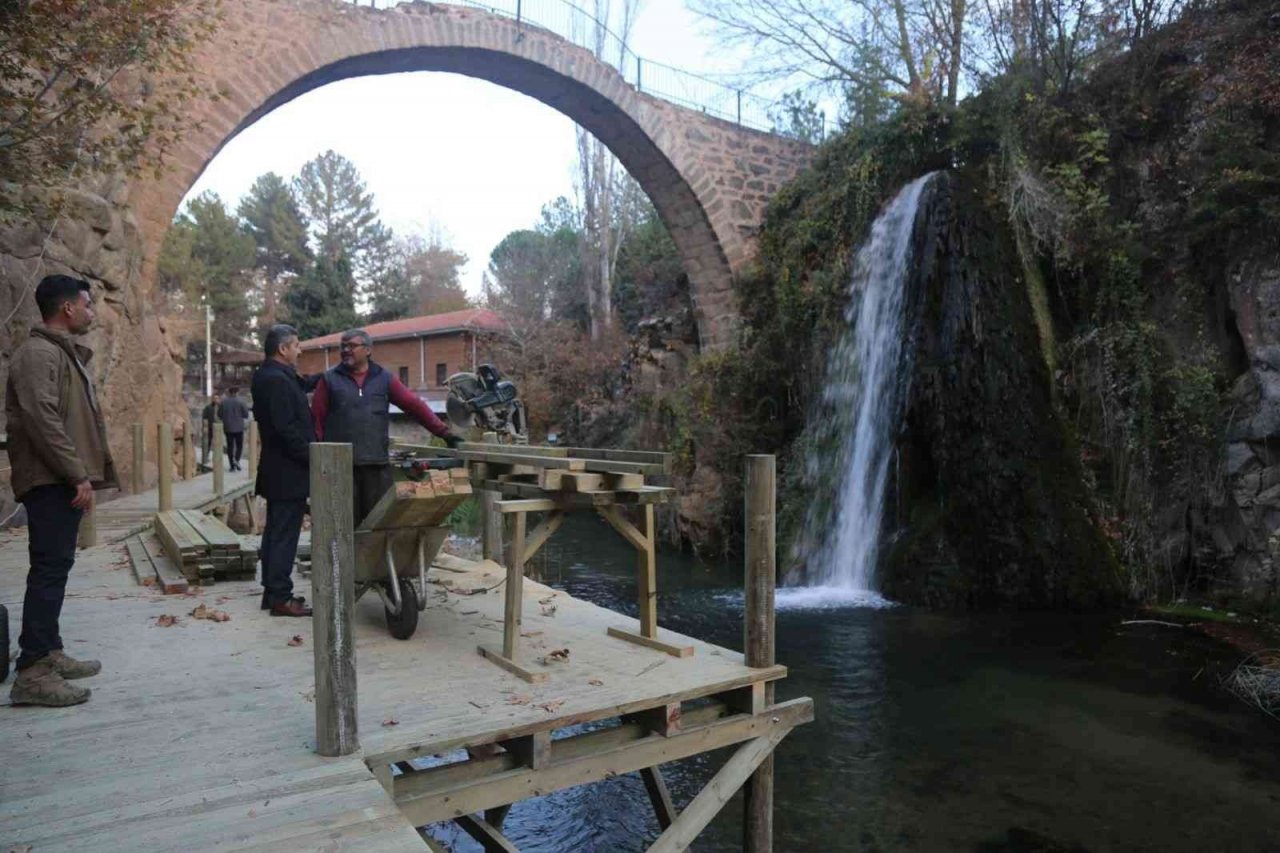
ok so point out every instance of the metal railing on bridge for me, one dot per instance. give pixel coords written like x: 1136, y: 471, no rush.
x: 574, y: 24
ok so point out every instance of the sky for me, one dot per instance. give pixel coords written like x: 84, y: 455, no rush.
x: 443, y: 152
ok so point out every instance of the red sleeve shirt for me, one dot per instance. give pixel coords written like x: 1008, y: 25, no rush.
x: 413, y: 406
x: 320, y: 408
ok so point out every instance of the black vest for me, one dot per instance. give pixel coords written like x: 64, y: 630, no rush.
x: 360, y: 416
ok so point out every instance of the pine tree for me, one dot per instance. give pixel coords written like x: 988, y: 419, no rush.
x: 273, y: 218
x: 343, y: 219
x: 207, y: 256
x: 318, y: 303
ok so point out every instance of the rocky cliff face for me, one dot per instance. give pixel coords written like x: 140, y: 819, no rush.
x: 990, y: 506
x: 136, y: 363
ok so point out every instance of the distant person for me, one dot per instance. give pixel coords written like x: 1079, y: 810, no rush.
x: 284, y: 471
x: 234, y: 414
x: 210, y: 416
x: 352, y: 405
x: 59, y: 455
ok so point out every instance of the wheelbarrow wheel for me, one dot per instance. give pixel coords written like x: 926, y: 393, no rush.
x: 4, y: 642
x: 403, y: 624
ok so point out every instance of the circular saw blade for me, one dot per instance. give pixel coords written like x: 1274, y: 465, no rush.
x: 459, y: 413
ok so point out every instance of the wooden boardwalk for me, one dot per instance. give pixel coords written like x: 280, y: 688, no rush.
x: 201, y: 735
x: 121, y: 518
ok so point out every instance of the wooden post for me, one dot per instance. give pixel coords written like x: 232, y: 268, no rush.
x: 758, y: 646
x: 647, y: 575
x: 219, y: 472
x: 253, y: 449
x: 515, y: 587
x: 139, y: 459
x: 164, y: 462
x: 490, y: 518
x: 333, y: 588
x: 188, y: 450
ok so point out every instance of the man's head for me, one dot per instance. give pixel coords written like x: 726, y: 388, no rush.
x: 65, y: 303
x: 217, y: 398
x: 282, y: 344
x: 232, y: 391
x: 355, y: 349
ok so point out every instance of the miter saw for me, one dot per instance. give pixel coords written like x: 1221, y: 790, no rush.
x: 487, y: 401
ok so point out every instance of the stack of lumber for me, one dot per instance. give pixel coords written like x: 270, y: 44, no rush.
x: 577, y: 476
x: 152, y: 567
x: 202, y: 548
x: 420, y: 503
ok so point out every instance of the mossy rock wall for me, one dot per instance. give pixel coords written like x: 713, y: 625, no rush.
x: 990, y: 507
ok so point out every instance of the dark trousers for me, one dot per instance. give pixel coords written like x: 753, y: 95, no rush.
x: 235, y: 446
x: 369, y: 484
x: 279, y: 549
x: 53, y: 524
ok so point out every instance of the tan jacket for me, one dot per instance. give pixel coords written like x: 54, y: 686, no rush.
x: 56, y: 430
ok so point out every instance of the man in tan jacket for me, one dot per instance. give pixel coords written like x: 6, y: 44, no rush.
x: 59, y: 456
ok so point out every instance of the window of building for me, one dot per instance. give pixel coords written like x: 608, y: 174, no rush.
x: 442, y: 373
x: 404, y: 375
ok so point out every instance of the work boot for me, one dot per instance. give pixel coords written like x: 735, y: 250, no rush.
x: 40, y: 684
x: 70, y: 668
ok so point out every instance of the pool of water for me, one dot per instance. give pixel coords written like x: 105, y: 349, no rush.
x: 1010, y: 732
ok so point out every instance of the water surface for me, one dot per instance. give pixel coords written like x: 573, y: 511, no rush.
x: 941, y: 732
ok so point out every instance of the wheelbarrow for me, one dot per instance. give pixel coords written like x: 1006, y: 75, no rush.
x: 401, y: 536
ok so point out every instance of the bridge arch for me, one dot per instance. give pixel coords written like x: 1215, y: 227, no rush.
x: 709, y: 179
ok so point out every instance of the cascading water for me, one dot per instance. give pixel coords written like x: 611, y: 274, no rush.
x: 852, y: 445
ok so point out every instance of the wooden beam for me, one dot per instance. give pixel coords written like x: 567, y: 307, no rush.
x: 625, y: 528
x: 333, y: 587
x: 512, y: 616
x: 664, y: 720
x: 532, y: 676
x: 488, y: 835
x: 423, y: 800
x: 659, y: 796
x: 497, y: 816
x: 760, y: 513
x: 647, y: 575
x: 532, y: 750
x: 533, y: 460
x: 549, y: 525
x: 532, y: 505
x: 686, y: 828
x: 652, y: 643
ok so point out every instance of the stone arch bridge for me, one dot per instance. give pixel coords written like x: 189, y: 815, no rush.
x: 709, y: 179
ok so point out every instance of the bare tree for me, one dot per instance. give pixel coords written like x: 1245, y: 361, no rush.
x: 907, y: 49
x: 599, y: 175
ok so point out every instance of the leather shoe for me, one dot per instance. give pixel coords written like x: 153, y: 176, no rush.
x: 292, y: 607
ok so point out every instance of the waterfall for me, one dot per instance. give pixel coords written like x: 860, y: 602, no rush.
x: 852, y: 441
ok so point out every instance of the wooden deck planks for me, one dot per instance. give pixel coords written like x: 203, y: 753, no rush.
x: 190, y: 724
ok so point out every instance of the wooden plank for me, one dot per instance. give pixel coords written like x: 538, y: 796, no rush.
x: 533, y: 750
x: 532, y: 676
x: 139, y: 457
x: 482, y: 831
x: 663, y: 806
x: 171, y: 579
x: 618, y: 467
x: 521, y: 507
x: 428, y: 803
x: 686, y: 828
x: 213, y: 531
x: 676, y: 651
x: 647, y: 575
x: 164, y: 463
x: 532, y: 460
x: 143, y: 568
x: 651, y: 457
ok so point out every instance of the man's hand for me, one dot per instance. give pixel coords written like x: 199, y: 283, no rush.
x: 84, y: 496
x: 453, y: 441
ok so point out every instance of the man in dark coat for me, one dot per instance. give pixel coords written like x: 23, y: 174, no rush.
x: 58, y: 455
x: 284, y: 478
x: 234, y: 414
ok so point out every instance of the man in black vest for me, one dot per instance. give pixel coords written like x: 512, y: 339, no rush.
x: 284, y: 472
x: 352, y: 404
